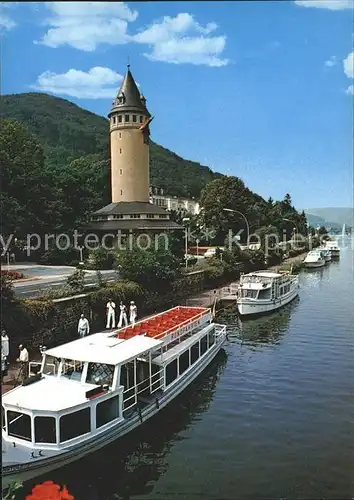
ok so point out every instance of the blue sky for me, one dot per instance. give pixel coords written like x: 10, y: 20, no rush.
x: 261, y: 90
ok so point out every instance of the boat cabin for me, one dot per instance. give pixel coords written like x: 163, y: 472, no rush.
x: 261, y: 285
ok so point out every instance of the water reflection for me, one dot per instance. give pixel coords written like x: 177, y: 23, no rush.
x: 130, y: 467
x: 261, y: 331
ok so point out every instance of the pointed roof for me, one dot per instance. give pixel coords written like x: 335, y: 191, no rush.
x: 129, y: 97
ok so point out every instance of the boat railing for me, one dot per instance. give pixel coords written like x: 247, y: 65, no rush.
x: 220, y: 331
x: 175, y: 332
x: 141, y: 387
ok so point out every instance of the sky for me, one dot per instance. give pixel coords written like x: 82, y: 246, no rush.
x: 260, y: 90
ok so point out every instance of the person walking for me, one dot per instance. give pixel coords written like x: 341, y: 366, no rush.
x: 133, y: 312
x: 5, y: 351
x: 111, y: 314
x: 24, y: 362
x: 83, y: 327
x: 122, y: 315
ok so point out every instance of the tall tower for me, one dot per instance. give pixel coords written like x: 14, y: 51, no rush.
x: 129, y: 130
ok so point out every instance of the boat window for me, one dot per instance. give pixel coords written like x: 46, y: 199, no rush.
x: 251, y: 294
x: 171, y: 372
x: 72, y: 369
x: 100, y: 374
x: 194, y: 352
x: 203, y: 344
x: 183, y: 362
x: 127, y: 375
x: 264, y: 294
x: 44, y: 430
x: 211, y: 338
x: 107, y: 411
x: 19, y: 425
x: 51, y: 365
x: 74, y: 424
x: 3, y: 423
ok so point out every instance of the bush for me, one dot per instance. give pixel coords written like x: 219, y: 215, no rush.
x: 100, y: 259
x: 12, y: 275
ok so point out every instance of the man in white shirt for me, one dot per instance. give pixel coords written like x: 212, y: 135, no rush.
x: 133, y: 312
x: 123, y: 315
x: 23, y: 359
x: 83, y: 327
x: 111, y: 314
x: 5, y: 351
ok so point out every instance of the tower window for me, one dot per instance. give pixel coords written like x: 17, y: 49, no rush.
x: 141, y: 119
x: 120, y: 150
x: 120, y: 118
x: 134, y: 118
x: 121, y: 191
x: 121, y: 171
x: 126, y: 118
x: 114, y: 119
x: 120, y: 135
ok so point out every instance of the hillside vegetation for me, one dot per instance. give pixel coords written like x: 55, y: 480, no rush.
x: 68, y: 132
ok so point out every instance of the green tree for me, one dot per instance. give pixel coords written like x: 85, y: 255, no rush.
x: 25, y: 187
x: 152, y: 269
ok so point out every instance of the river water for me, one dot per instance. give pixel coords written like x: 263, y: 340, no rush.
x: 271, y: 418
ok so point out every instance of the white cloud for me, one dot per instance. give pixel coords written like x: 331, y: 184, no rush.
x: 182, y: 39
x: 6, y: 23
x: 326, y: 4
x: 85, y: 25
x: 332, y: 61
x: 97, y: 83
x: 348, y: 65
x: 350, y: 90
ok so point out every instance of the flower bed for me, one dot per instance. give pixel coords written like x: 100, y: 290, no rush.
x: 13, y: 275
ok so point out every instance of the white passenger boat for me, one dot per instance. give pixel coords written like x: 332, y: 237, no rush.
x: 91, y: 391
x: 314, y: 258
x: 261, y: 292
x: 326, y: 254
x: 334, y: 248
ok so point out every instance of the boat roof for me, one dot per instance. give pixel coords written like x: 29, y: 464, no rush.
x: 48, y: 394
x: 264, y: 274
x: 103, y: 348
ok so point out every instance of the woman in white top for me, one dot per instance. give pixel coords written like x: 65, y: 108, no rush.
x: 5, y: 350
x: 133, y: 312
x: 123, y: 315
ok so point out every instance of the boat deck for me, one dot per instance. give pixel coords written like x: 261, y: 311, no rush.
x: 162, y: 324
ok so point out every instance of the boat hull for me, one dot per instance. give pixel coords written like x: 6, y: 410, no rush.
x: 312, y: 265
x: 256, y: 308
x: 29, y: 470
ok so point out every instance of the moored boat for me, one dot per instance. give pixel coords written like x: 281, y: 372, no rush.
x: 261, y: 291
x: 334, y: 248
x: 326, y: 254
x: 91, y: 391
x: 314, y: 259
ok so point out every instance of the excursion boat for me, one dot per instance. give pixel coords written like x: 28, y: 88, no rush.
x: 261, y: 292
x: 333, y: 247
x: 314, y: 258
x: 326, y: 254
x: 91, y: 391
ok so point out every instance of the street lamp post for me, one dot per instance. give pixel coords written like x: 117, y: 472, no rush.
x: 246, y: 221
x: 186, y: 219
x: 81, y: 255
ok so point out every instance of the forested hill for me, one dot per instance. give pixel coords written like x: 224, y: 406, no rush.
x: 68, y: 132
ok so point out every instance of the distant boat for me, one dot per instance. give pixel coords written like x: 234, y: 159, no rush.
x: 315, y: 258
x: 333, y: 247
x: 326, y: 254
x: 261, y: 292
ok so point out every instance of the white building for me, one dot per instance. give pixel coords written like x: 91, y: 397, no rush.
x: 182, y: 205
